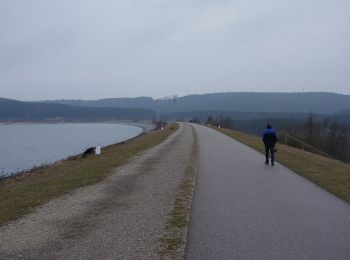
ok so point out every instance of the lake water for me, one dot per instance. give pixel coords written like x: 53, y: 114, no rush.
x: 23, y: 146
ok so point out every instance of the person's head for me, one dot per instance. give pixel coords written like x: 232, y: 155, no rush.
x: 268, y: 126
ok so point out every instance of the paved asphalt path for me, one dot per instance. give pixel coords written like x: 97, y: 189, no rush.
x: 244, y: 209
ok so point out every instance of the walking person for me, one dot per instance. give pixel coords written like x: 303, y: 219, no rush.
x: 269, y: 139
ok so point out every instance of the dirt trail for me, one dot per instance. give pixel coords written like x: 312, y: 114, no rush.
x: 122, y: 217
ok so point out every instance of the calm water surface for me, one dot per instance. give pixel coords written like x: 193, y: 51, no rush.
x: 23, y: 146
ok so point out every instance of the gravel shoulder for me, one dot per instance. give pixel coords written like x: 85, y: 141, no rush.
x: 121, y: 217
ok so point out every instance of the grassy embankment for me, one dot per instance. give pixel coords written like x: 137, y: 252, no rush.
x: 331, y: 175
x: 20, y: 195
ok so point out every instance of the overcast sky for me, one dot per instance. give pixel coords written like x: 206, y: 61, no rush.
x: 125, y: 48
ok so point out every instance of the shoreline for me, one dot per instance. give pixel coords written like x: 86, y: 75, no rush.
x: 145, y: 127
x: 24, y: 193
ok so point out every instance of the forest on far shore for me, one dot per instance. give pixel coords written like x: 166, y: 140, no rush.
x: 18, y: 111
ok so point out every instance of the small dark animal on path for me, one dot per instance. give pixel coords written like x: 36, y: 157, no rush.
x: 89, y: 151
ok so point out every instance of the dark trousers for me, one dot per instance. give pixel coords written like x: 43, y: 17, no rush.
x: 271, y: 149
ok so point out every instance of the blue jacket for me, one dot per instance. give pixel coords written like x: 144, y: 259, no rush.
x: 269, y: 136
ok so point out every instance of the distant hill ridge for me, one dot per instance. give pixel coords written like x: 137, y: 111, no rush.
x: 315, y: 102
x: 17, y: 111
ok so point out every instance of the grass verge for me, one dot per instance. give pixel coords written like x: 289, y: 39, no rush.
x: 174, y: 242
x: 19, y: 195
x: 331, y: 175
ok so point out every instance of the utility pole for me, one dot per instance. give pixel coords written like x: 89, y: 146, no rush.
x: 174, y: 100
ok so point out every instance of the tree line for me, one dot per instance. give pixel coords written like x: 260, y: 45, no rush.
x: 328, y: 135
x: 14, y: 111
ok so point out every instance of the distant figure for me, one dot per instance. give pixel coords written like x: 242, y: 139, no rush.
x: 269, y: 139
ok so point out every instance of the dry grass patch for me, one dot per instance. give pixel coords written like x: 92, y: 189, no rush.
x: 331, y: 175
x: 20, y: 195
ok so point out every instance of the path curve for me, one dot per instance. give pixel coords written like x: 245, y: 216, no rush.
x: 244, y: 209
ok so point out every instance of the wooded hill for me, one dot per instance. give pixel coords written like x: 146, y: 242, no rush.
x: 15, y: 111
x: 238, y: 106
x: 315, y: 102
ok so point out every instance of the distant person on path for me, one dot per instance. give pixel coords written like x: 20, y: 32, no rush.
x: 269, y: 139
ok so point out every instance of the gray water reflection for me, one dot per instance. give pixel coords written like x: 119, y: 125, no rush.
x: 23, y: 146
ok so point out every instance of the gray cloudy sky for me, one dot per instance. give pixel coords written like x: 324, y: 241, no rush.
x: 116, y: 48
